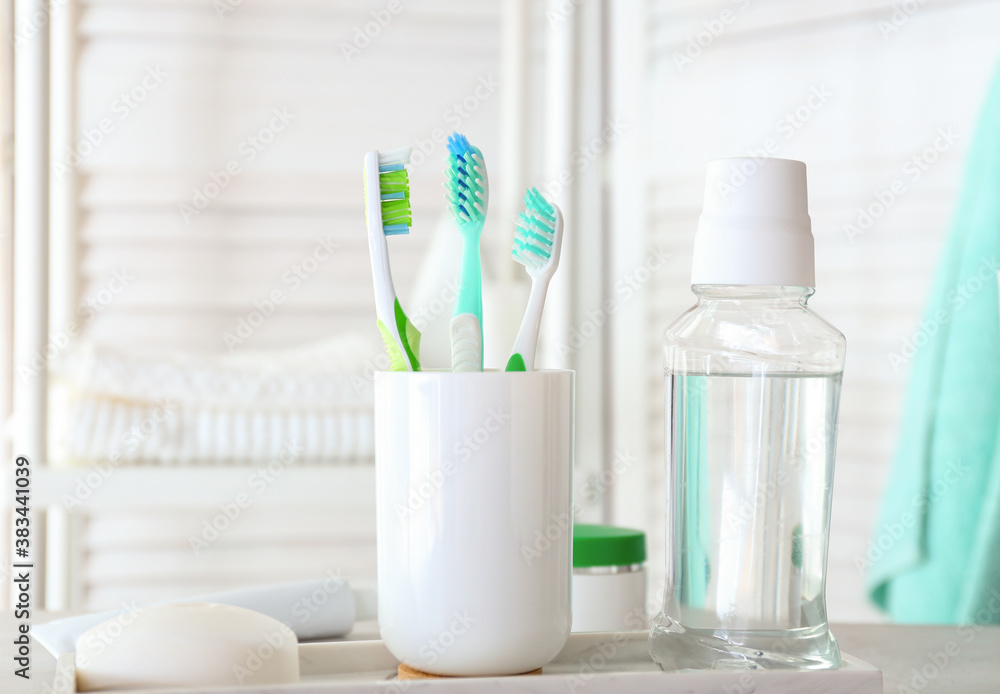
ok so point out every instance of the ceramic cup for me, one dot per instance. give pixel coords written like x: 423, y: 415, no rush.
x: 473, y: 477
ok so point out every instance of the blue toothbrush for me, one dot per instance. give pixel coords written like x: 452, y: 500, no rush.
x: 468, y: 195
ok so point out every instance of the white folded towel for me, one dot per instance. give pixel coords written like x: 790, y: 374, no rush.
x: 245, y: 408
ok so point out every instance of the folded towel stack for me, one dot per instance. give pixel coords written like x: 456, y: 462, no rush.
x: 308, y: 405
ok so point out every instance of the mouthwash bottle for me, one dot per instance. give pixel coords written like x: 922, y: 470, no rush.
x: 752, y: 378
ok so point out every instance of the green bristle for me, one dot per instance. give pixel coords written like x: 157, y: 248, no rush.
x: 395, y: 213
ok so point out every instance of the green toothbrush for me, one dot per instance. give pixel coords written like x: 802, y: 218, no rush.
x: 387, y: 213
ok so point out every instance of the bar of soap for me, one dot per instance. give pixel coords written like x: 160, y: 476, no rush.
x: 186, y: 644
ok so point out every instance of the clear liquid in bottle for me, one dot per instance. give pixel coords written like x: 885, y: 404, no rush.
x: 750, y: 476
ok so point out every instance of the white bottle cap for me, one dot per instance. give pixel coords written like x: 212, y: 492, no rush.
x: 754, y: 226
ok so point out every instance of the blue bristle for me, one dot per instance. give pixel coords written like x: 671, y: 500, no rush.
x: 393, y: 196
x: 465, y: 185
x: 394, y: 229
x: 386, y: 168
x: 458, y: 145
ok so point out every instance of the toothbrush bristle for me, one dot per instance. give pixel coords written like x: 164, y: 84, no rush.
x: 465, y: 183
x: 400, y: 155
x: 535, y: 233
x: 394, y: 191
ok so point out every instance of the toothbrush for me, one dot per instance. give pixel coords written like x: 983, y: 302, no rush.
x: 537, y: 241
x: 387, y: 213
x: 468, y: 195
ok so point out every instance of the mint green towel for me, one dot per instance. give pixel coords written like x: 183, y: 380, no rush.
x: 935, y: 555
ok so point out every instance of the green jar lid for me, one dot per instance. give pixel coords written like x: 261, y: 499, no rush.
x: 605, y: 545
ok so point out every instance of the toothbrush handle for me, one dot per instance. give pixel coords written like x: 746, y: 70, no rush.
x: 404, y: 351
x: 467, y: 320
x: 466, y: 343
x: 470, y: 281
x: 527, y: 336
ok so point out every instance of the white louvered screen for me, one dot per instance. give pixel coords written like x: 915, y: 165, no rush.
x: 213, y: 83
x: 880, y: 102
x: 198, y: 85
x: 149, y: 555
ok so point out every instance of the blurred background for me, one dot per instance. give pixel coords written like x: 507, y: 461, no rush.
x: 188, y: 354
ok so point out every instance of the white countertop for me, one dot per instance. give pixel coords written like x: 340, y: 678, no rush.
x: 927, y: 659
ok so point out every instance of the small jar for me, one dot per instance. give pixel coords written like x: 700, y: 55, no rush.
x: 609, y: 578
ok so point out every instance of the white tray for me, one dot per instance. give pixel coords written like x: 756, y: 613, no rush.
x: 607, y: 663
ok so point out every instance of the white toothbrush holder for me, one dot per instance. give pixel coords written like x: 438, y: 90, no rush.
x: 475, y: 525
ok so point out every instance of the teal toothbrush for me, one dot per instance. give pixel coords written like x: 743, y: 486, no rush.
x: 468, y: 194
x: 537, y: 241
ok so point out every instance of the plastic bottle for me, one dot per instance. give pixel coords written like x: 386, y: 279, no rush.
x: 752, y: 379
